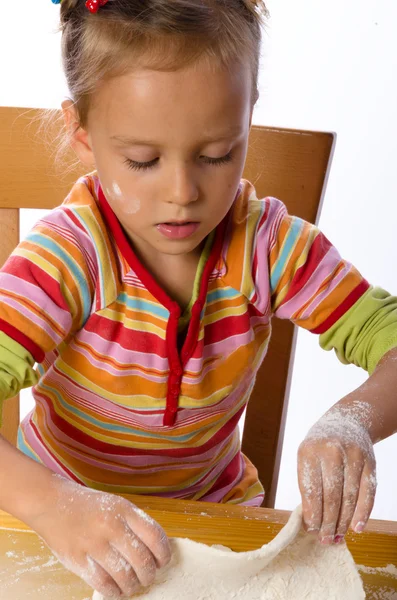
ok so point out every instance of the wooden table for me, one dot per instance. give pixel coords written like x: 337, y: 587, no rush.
x: 240, y: 528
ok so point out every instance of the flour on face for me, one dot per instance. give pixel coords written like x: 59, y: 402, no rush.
x: 130, y: 204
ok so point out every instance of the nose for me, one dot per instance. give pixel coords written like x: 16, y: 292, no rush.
x: 183, y: 188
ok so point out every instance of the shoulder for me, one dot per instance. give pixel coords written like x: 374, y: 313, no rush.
x: 252, y: 227
x: 253, y: 219
x: 74, y: 237
x: 251, y: 213
x: 80, y: 212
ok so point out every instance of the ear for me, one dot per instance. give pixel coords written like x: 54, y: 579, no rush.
x: 78, y: 137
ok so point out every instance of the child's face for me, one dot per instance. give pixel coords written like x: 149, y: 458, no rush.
x: 178, y: 122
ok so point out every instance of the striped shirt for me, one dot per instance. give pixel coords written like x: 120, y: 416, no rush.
x: 118, y: 406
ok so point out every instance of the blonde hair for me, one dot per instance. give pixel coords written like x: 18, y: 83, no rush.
x: 158, y: 34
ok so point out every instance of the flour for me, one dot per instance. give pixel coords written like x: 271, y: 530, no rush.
x: 110, y: 505
x: 345, y: 458
x: 116, y: 190
x: 23, y: 559
x: 389, y: 570
x: 130, y: 204
x: 382, y: 593
x: 346, y: 424
x: 293, y: 565
x: 144, y: 516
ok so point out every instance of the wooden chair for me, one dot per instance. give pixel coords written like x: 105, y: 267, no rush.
x: 289, y: 164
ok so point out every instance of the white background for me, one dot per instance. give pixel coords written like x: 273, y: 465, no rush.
x: 326, y: 66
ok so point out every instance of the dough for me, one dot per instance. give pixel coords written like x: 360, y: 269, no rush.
x: 293, y: 565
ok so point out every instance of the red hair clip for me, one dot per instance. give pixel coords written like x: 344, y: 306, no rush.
x: 94, y: 5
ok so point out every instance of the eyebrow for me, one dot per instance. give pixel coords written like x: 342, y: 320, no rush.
x: 131, y: 141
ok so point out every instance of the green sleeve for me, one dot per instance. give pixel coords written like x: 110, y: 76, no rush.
x: 366, y: 332
x: 16, y: 369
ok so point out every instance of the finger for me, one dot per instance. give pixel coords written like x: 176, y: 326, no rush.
x: 310, y: 485
x: 333, y: 478
x: 353, y: 473
x: 99, y: 579
x: 92, y: 573
x: 137, y: 554
x: 366, y: 496
x: 119, y: 569
x: 151, y: 534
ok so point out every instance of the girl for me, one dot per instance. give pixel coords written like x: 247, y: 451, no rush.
x: 146, y: 300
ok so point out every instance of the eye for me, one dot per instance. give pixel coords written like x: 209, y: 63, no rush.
x: 218, y: 161
x: 143, y: 166
x: 140, y: 166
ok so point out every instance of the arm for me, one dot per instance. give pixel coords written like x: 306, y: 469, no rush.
x: 104, y: 539
x: 46, y: 291
x: 379, y: 394
x: 34, y: 494
x: 336, y: 462
x: 316, y: 289
x: 25, y: 485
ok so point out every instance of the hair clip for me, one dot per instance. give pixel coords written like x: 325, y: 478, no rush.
x: 94, y: 5
x: 56, y: 1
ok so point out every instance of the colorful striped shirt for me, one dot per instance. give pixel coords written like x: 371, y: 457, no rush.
x: 119, y: 405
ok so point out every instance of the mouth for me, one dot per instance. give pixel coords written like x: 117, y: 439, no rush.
x: 178, y: 229
x: 178, y: 222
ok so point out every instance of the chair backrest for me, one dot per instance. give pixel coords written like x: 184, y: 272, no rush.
x: 289, y: 164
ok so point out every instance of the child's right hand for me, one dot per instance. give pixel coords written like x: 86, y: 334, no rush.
x: 106, y: 540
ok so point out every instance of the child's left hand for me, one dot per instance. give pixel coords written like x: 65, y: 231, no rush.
x: 337, y: 476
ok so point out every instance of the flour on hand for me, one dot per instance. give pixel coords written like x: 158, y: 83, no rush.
x: 293, y: 565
